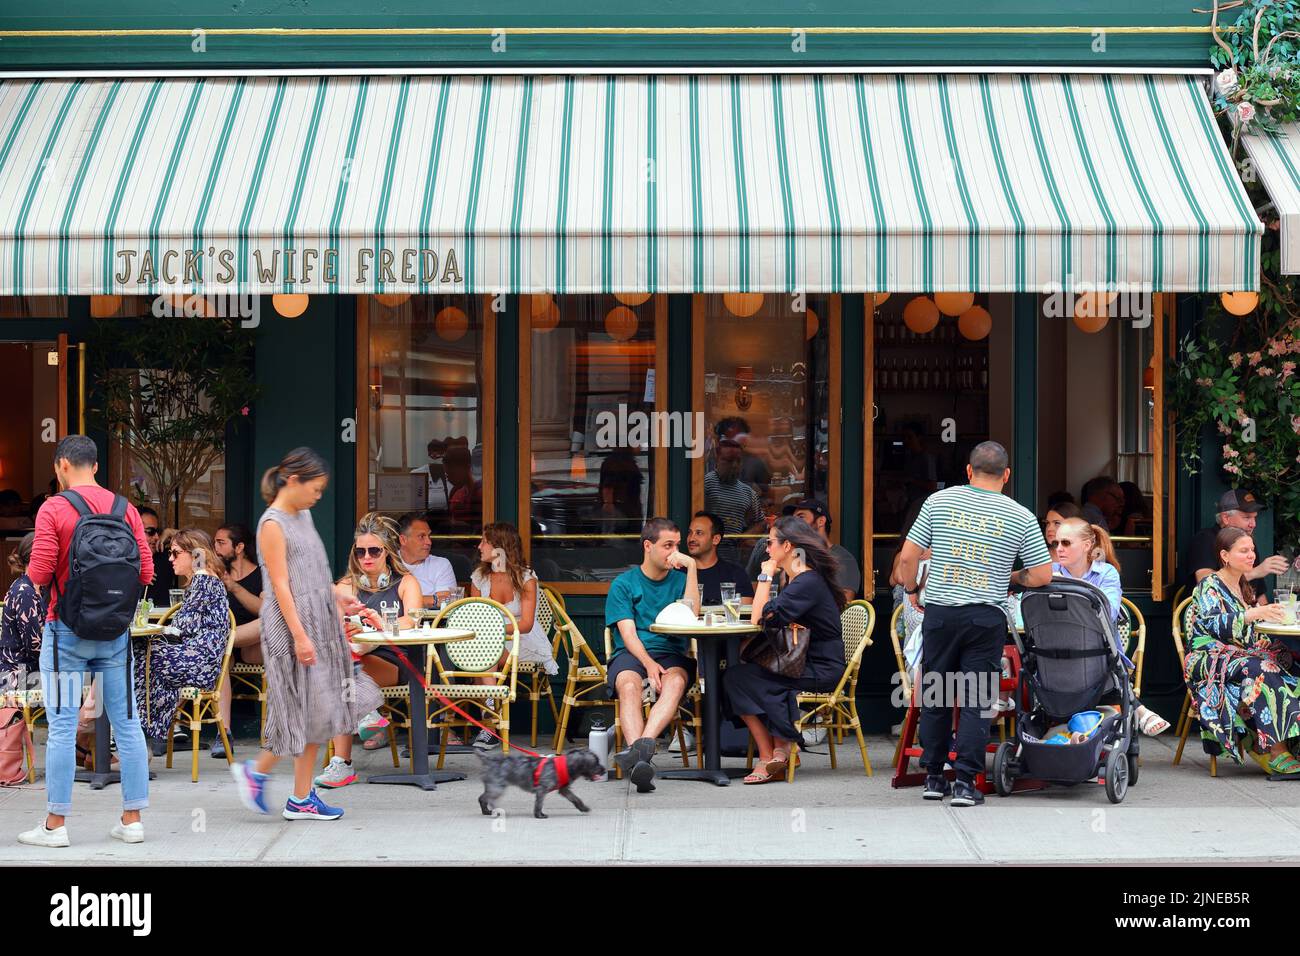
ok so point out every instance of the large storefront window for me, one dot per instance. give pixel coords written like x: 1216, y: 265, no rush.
x: 426, y: 428
x: 592, y: 450
x: 765, y: 390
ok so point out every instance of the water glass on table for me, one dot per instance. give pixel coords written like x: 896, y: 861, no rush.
x: 176, y: 596
x: 729, y: 601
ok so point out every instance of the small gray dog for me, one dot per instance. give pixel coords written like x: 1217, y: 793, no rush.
x: 538, y: 775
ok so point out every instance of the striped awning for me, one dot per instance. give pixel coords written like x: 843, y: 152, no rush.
x: 582, y: 184
x: 1276, y: 161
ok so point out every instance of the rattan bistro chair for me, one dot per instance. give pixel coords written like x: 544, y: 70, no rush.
x: 587, y: 681
x: 248, y: 682
x: 837, y: 710
x: 534, y: 675
x: 685, y: 715
x: 1133, y: 637
x: 476, y: 657
x: 32, y: 704
x: 898, y: 639
x: 203, y: 705
x: 1182, y: 625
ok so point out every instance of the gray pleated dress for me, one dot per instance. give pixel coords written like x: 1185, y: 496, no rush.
x: 308, y: 705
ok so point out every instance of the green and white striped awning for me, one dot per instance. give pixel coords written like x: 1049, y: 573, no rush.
x: 582, y: 184
x: 1276, y: 161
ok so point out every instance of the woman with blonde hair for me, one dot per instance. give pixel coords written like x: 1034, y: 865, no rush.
x: 308, y: 661
x: 377, y: 578
x: 504, y: 576
x: 191, y: 649
x: 1084, y: 551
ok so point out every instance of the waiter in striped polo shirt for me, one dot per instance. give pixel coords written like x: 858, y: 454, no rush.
x: 976, y: 534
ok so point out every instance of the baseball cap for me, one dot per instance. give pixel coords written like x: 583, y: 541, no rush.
x: 813, y: 505
x: 1235, y: 500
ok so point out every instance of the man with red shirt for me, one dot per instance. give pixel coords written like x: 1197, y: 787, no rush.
x: 75, y: 463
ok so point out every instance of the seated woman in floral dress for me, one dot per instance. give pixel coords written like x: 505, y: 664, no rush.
x: 1243, y: 683
x: 22, y: 624
x: 190, y: 654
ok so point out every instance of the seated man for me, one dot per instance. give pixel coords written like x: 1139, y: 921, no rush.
x: 635, y: 599
x: 1237, y: 509
x: 712, y: 571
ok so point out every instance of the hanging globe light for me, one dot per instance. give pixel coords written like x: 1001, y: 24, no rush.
x: 811, y: 325
x: 878, y: 299
x: 548, y: 318
x: 451, y: 324
x: 289, y: 304
x: 620, y: 323
x: 392, y: 300
x: 743, y: 304
x: 975, y: 323
x: 632, y: 299
x: 921, y: 315
x: 1091, y: 312
x: 1239, y: 303
x: 954, y: 303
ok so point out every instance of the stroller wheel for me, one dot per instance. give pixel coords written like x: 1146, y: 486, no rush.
x: 1132, y: 759
x: 1004, y: 775
x: 1116, y: 775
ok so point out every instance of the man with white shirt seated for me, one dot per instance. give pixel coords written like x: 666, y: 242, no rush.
x: 435, y: 574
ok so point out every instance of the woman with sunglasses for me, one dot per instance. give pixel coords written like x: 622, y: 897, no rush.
x: 1083, y: 551
x: 190, y: 652
x: 377, y: 577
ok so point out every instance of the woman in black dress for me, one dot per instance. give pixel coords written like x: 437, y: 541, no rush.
x: 764, y: 701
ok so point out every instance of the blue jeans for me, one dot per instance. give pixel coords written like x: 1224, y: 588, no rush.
x: 109, y: 659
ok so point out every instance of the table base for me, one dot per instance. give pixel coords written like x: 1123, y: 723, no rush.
x: 425, y: 781
x: 98, y: 781
x: 720, y: 778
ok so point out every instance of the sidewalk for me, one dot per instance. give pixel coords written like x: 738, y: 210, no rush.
x: 1174, y: 814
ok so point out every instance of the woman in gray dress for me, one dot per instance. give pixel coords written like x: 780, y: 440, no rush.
x: 312, y: 692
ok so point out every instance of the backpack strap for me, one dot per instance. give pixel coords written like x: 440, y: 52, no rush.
x: 75, y: 499
x: 119, y: 507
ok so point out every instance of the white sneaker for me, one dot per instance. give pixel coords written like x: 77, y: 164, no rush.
x: 39, y: 836
x: 339, y: 773
x: 128, y: 832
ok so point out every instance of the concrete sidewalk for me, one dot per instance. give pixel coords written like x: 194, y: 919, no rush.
x: 1174, y: 814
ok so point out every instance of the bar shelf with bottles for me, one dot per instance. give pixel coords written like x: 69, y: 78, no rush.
x: 937, y: 360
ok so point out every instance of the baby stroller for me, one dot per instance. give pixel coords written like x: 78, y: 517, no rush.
x: 1070, y: 657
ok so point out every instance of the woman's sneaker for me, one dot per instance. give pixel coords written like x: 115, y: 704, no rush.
x: 339, y: 773
x: 485, y: 741
x: 373, y: 723
x: 313, y: 808
x: 252, y: 786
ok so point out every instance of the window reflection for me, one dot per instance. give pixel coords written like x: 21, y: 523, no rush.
x: 591, y: 462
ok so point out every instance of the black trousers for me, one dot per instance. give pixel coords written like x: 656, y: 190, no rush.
x: 961, y: 663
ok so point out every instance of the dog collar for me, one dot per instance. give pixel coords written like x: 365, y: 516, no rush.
x: 561, y: 771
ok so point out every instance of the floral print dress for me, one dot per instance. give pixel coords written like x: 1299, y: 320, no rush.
x: 1241, y: 681
x: 21, y: 628
x: 194, y: 661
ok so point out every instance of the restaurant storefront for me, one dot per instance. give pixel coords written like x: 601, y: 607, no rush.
x: 546, y: 297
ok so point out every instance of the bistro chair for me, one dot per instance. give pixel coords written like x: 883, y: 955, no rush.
x: 538, y: 681
x: 1182, y: 625
x: 248, y: 682
x: 1133, y: 638
x: 476, y: 657
x: 898, y: 638
x: 837, y: 710
x: 31, y: 703
x: 587, y: 682
x: 691, y: 714
x: 204, y: 706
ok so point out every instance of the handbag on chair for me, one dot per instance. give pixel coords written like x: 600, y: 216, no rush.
x: 14, y: 743
x: 781, y: 649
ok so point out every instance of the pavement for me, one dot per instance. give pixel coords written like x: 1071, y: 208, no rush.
x: 1173, y: 815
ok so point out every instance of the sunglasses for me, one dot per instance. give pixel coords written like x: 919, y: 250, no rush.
x: 176, y: 554
x: 360, y: 553
x: 151, y: 532
x: 1064, y: 542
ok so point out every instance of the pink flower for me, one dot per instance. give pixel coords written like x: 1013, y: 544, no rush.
x: 1276, y: 347
x: 1235, y: 359
x: 1295, y: 424
x: 1224, y: 429
x: 1241, y: 416
x: 1264, y: 370
x: 1205, y: 382
x: 1230, y: 452
x: 1288, y: 369
x: 1245, y: 111
x: 1255, y: 358
x: 1232, y: 469
x: 244, y: 410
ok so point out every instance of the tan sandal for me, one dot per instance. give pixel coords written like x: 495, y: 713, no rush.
x: 759, y: 775
x: 778, y: 765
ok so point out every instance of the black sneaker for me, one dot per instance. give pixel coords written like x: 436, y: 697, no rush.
x: 157, y: 746
x: 639, y: 752
x: 218, y: 749
x: 936, y: 787
x: 643, y: 775
x: 965, y: 795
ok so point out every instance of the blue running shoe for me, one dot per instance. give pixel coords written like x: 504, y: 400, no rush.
x: 313, y: 808
x: 252, y: 786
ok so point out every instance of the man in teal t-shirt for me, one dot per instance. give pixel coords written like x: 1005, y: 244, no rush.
x: 975, y: 534
x: 634, y: 601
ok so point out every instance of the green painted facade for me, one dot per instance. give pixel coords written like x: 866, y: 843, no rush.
x: 270, y: 34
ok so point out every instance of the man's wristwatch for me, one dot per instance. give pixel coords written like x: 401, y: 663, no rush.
x: 764, y: 578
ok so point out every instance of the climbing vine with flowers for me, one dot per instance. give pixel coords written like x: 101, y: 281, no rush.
x: 1238, y: 374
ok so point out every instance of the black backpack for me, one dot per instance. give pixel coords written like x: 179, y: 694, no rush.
x: 103, y: 585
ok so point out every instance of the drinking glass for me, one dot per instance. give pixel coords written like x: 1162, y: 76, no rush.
x: 141, y: 615
x: 699, y: 599
x: 729, y: 602
x: 390, y: 615
x: 176, y: 596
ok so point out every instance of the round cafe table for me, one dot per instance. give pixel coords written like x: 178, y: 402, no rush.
x: 707, y: 639
x: 416, y: 640
x: 1278, y: 630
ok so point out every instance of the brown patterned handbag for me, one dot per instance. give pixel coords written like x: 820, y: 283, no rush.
x: 780, y: 649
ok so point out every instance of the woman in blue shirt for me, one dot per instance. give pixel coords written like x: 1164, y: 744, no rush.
x: 1084, y: 551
